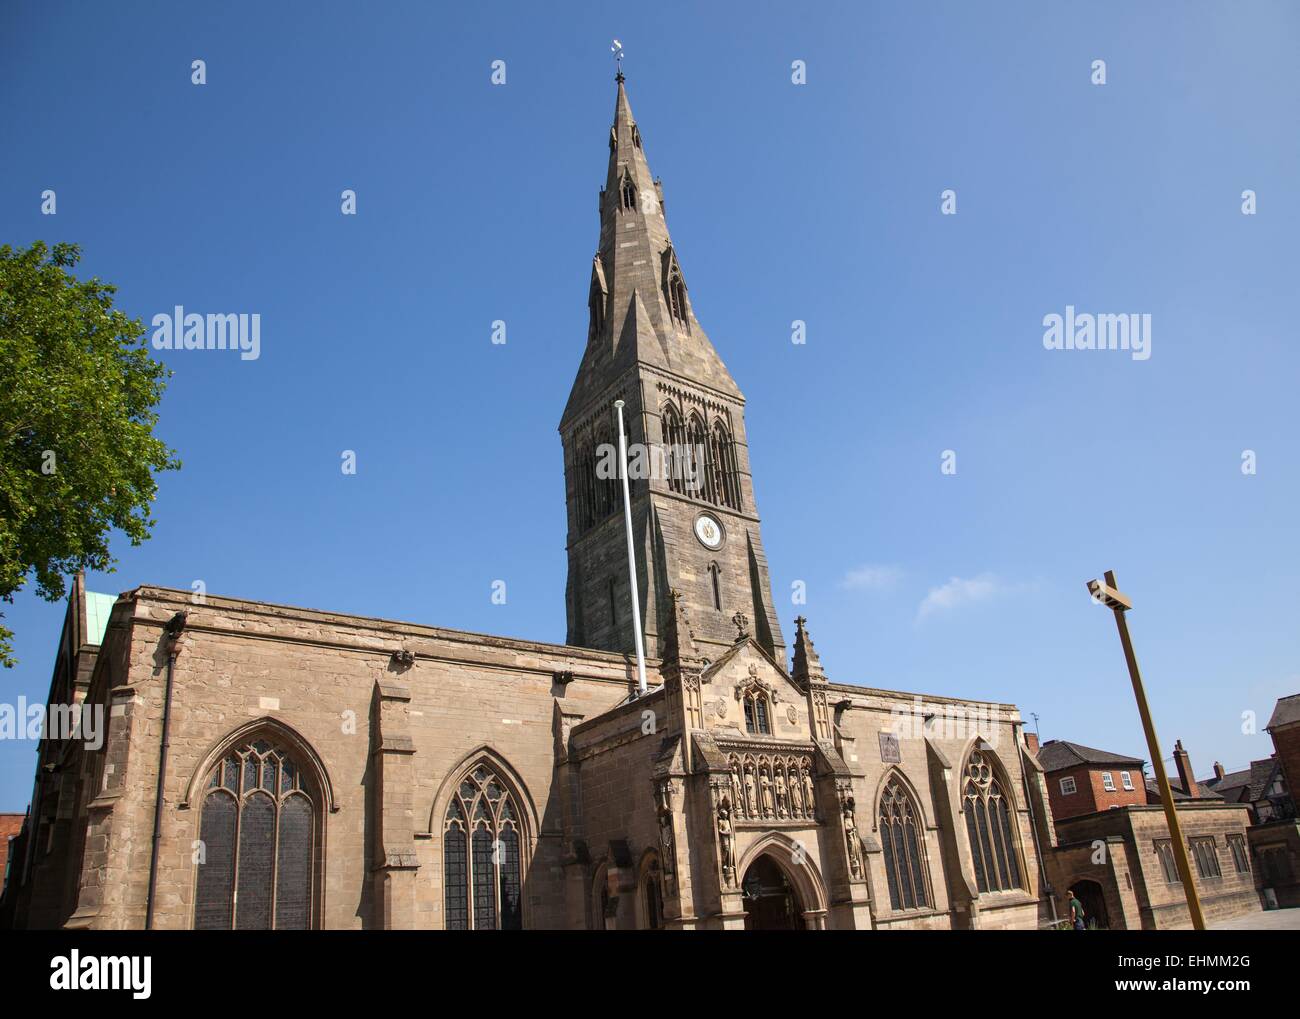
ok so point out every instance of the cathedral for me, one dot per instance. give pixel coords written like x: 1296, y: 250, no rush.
x: 265, y: 766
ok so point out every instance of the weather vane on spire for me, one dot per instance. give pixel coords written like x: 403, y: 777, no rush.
x: 617, y: 50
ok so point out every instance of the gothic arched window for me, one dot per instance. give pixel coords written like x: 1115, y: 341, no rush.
x: 257, y: 834
x: 482, y: 865
x: 726, y: 490
x: 901, y: 840
x: 702, y: 474
x: 597, y: 484
x: 758, y: 713
x: 715, y: 576
x: 627, y: 193
x: 990, y: 827
x: 675, y: 289
x: 677, y: 455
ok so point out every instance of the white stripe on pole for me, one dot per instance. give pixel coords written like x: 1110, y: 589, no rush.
x: 631, y: 555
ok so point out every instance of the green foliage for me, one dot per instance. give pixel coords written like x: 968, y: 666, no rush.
x: 77, y: 450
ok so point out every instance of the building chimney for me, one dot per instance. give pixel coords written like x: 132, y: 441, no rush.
x: 1184, y: 765
x: 1031, y: 742
x: 1218, y: 771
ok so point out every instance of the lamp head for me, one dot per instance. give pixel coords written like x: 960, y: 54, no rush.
x: 1109, y: 596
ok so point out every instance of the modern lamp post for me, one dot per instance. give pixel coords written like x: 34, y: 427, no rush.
x: 1109, y: 595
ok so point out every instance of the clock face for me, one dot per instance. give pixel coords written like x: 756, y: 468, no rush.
x: 708, y: 530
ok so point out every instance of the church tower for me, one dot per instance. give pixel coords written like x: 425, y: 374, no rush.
x: 694, y: 517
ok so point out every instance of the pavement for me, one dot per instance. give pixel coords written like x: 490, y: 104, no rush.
x: 1262, y: 920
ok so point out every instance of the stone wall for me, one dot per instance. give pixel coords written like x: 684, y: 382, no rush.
x: 932, y: 757
x: 241, y: 664
x: 1116, y: 849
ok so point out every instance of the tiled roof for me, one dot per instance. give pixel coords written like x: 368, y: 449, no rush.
x: 1248, y: 785
x: 1287, y: 710
x: 1230, y: 786
x: 1057, y: 754
x: 1261, y: 777
x: 1179, y: 793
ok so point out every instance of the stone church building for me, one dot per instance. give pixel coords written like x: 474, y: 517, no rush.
x: 269, y: 766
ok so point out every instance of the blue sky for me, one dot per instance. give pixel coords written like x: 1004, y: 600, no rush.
x: 817, y: 202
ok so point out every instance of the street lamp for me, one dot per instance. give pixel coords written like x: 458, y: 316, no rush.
x: 1108, y: 594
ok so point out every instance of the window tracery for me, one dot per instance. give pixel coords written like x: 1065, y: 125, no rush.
x: 481, y: 848
x: 758, y: 713
x: 257, y: 831
x: 990, y: 827
x: 700, y: 457
x: 595, y: 454
x: 900, y: 839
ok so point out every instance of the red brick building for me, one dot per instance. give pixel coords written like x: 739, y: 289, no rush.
x: 1275, y: 838
x: 1110, y: 841
x: 1284, y: 727
x: 1084, y: 780
x: 10, y: 825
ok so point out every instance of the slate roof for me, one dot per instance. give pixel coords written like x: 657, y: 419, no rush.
x: 1179, y: 792
x: 1248, y: 785
x: 1287, y: 710
x: 1231, y: 785
x: 1261, y: 777
x: 1058, y: 754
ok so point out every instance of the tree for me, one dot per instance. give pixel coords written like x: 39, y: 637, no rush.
x: 77, y: 450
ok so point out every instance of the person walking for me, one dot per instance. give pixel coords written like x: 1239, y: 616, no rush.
x: 1076, y: 912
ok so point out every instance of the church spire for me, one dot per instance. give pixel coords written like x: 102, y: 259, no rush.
x: 640, y: 305
x: 627, y: 157
x: 694, y: 518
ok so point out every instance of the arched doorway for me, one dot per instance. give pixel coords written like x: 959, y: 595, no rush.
x: 771, y: 903
x: 1093, y: 900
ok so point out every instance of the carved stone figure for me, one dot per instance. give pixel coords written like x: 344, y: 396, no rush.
x: 751, y: 807
x: 851, y: 837
x: 780, y: 793
x: 796, y: 792
x: 726, y: 843
x: 666, y: 841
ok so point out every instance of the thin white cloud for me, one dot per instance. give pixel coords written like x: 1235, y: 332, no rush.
x: 871, y: 578
x: 961, y: 591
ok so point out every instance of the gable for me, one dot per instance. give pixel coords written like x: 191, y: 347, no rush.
x: 745, y: 669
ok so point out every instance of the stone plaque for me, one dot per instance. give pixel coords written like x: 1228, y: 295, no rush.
x: 889, y: 749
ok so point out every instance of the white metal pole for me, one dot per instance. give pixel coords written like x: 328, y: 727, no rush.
x: 631, y: 555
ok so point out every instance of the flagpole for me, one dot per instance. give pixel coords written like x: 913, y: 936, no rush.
x: 631, y: 555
